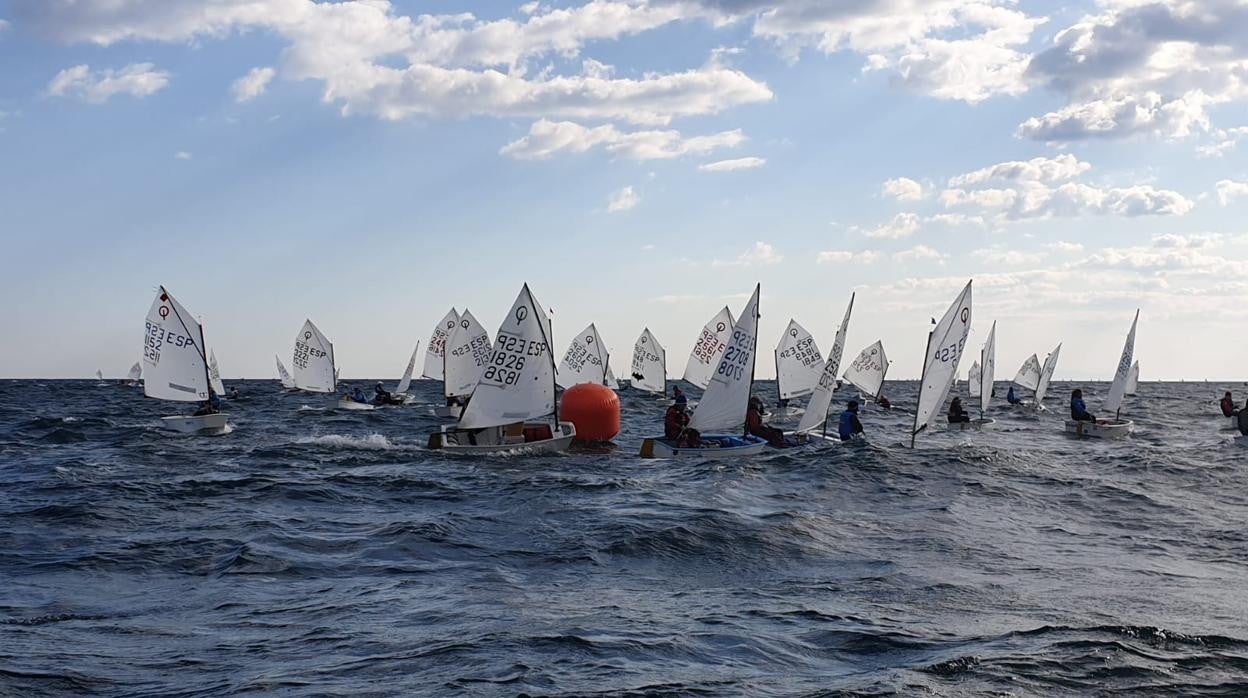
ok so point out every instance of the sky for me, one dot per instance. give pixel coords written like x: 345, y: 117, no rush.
x: 369, y: 164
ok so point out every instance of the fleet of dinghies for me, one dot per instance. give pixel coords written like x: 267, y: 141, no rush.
x: 503, y: 394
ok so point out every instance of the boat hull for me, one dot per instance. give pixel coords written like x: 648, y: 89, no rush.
x: 973, y: 425
x: 448, y: 411
x: 452, y: 439
x: 728, y: 447
x: 353, y: 405
x: 1101, y: 429
x: 210, y: 424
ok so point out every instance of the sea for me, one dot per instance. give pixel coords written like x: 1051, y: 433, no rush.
x: 314, y: 552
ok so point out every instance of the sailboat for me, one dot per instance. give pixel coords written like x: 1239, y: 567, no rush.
x: 1028, y: 375
x: 514, y: 394
x: 315, y: 370
x: 940, y: 363
x: 972, y: 378
x: 435, y: 351
x: 868, y: 370
x: 649, y: 364
x: 1117, y: 427
x: 136, y: 372
x: 99, y: 378
x: 610, y: 380
x: 711, y: 344
x: 586, y: 360
x: 466, y: 353
x: 214, y: 374
x: 724, y: 404
x: 175, y: 366
x: 1046, y: 375
x: 799, y: 365
x: 400, y: 390
x: 983, y: 372
x: 816, y: 413
x: 287, y: 382
x: 1133, y: 379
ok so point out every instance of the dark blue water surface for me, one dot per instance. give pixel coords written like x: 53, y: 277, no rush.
x: 314, y: 552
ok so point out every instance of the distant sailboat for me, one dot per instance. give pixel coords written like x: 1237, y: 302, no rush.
x: 99, y: 377
x: 1133, y: 379
x: 136, y: 372
x: 283, y: 375
x: 724, y: 404
x: 799, y: 365
x: 175, y: 366
x: 435, y: 351
x: 816, y: 413
x: 313, y: 362
x: 709, y: 347
x: 586, y: 360
x: 868, y: 370
x: 400, y: 390
x: 1046, y: 375
x: 972, y: 378
x: 214, y: 374
x: 466, y: 354
x: 516, y: 389
x: 1028, y: 375
x: 1117, y: 427
x: 649, y: 364
x: 945, y: 343
x: 984, y: 380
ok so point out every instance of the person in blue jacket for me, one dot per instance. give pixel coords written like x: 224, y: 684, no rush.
x: 358, y: 395
x: 210, y: 406
x: 850, y: 426
x: 1078, y: 410
x: 1011, y: 398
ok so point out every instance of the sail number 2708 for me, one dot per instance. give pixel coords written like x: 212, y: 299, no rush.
x: 736, y: 356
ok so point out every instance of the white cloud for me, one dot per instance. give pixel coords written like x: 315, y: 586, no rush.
x: 1121, y: 116
x: 1225, y: 141
x: 733, y: 165
x: 548, y: 138
x: 1229, y: 189
x: 903, y: 189
x: 623, y: 200
x: 919, y: 252
x: 1060, y: 168
x: 845, y: 256
x: 182, y: 155
x: 902, y: 225
x: 1063, y: 247
x: 97, y: 87
x: 761, y: 254
x: 252, y: 84
x: 955, y: 219
x: 1010, y: 258
x: 648, y: 247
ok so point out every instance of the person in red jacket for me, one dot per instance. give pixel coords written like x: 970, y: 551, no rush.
x: 754, y: 425
x: 1228, y: 405
x: 676, y: 425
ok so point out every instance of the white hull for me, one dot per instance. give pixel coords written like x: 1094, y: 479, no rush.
x: 202, y: 424
x: 1101, y: 429
x: 353, y: 405
x: 662, y: 448
x: 452, y: 439
x: 448, y: 411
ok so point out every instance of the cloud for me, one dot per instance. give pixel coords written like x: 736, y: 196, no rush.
x: 252, y: 84
x: 902, y: 225
x: 917, y: 253
x: 182, y: 155
x: 97, y: 87
x: 955, y: 219
x: 761, y: 254
x: 844, y: 256
x: 1229, y: 189
x: 549, y: 138
x: 1060, y: 168
x: 370, y: 59
x: 623, y: 200
x: 1063, y: 247
x: 1010, y: 258
x: 1120, y: 117
x: 903, y: 189
x: 732, y: 165
x: 648, y: 247
x: 1225, y: 141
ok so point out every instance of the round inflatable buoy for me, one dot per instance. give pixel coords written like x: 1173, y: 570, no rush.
x: 594, y: 409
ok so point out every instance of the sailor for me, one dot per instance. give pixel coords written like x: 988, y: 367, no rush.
x: 358, y: 395
x: 1078, y: 410
x: 233, y: 393
x: 754, y: 425
x: 850, y: 427
x: 381, y: 396
x: 1227, y: 405
x: 210, y: 406
x: 883, y: 402
x: 676, y: 425
x: 1011, y: 398
x: 956, y: 413
x: 677, y: 393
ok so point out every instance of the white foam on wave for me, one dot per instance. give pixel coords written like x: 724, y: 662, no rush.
x: 372, y: 442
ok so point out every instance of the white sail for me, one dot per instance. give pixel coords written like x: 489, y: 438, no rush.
x: 283, y: 374
x: 436, y: 349
x: 1046, y: 374
x: 972, y: 378
x: 467, y: 351
x: 136, y: 372
x: 1133, y: 379
x: 798, y: 362
x: 987, y: 369
x: 867, y: 370
x: 821, y: 399
x: 940, y: 364
x: 611, y: 381
x: 1029, y: 373
x: 313, y: 362
x: 704, y: 358
x: 99, y: 374
x: 585, y: 361
x: 519, y: 379
x: 173, y: 352
x: 649, y: 364
x: 214, y: 374
x: 406, y: 381
x: 1119, y: 387
x: 724, y: 403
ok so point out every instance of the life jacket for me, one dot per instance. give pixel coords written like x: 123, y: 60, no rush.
x: 1228, y: 406
x: 846, y: 427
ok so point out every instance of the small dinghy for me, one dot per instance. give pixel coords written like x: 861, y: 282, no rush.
x: 283, y: 375
x: 349, y: 404
x: 816, y: 414
x: 867, y: 373
x: 99, y: 378
x: 465, y: 353
x: 984, y: 383
x: 724, y: 404
x: 516, y: 388
x: 940, y: 363
x: 1133, y: 379
x: 435, y: 350
x: 136, y: 372
x: 799, y: 366
x: 314, y: 368
x: 400, y: 395
x: 1117, y: 427
x: 176, y: 367
x: 710, y: 346
x: 649, y: 365
x: 1042, y: 383
x: 586, y: 361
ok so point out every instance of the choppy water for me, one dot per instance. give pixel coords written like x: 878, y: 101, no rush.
x: 314, y: 552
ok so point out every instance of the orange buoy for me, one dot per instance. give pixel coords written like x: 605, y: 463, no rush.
x: 594, y: 409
